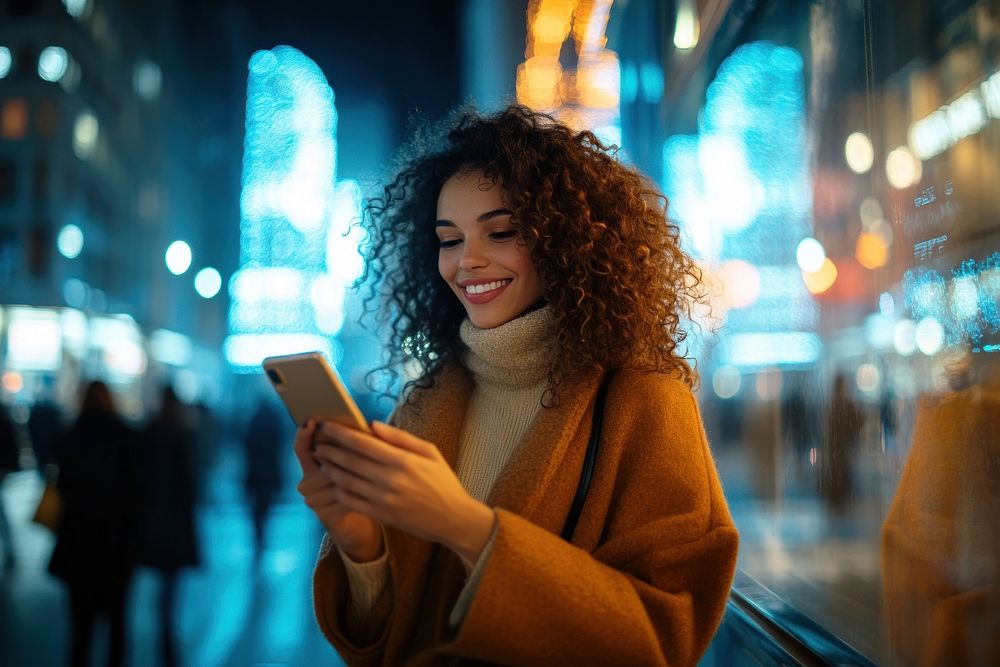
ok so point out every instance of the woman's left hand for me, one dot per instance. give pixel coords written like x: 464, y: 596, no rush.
x: 403, y: 481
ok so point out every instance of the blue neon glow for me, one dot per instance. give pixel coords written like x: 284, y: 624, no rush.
x: 967, y: 305
x: 741, y: 189
x: 287, y: 207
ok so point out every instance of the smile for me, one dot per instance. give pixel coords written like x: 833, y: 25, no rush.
x: 486, y: 287
x: 478, y: 294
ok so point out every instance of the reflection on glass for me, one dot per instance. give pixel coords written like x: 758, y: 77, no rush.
x: 840, y: 190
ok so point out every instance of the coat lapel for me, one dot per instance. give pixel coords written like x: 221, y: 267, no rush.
x: 439, y: 411
x: 556, y: 438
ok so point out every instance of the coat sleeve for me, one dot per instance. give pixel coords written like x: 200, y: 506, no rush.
x: 653, y: 592
x: 332, y: 606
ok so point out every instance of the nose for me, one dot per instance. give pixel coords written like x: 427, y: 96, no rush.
x: 472, y: 256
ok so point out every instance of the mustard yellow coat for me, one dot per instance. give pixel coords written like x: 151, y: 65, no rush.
x: 645, y: 581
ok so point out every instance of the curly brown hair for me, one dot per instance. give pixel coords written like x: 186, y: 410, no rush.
x: 610, y: 261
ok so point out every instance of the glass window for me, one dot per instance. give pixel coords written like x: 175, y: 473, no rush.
x: 834, y: 166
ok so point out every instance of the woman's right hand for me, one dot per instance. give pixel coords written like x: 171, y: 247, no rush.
x: 357, y: 535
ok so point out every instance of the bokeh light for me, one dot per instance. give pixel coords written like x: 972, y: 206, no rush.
x: 146, y: 79
x: 53, y: 62
x: 886, y: 304
x: 598, y: 80
x: 76, y: 293
x: 13, y: 382
x: 902, y: 168
x: 929, y: 336
x: 820, y: 281
x: 5, y: 61
x: 871, y: 251
x: 867, y: 378
x: 537, y: 82
x: 687, y: 28
x: 178, y: 257
x: 726, y: 381
x: 904, y: 337
x: 859, y: 152
x: 85, y: 132
x: 810, y: 255
x: 76, y: 8
x: 207, y: 282
x: 879, y: 330
x: 871, y: 210
x: 70, y: 241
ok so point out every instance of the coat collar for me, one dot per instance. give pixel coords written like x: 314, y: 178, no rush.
x: 439, y: 412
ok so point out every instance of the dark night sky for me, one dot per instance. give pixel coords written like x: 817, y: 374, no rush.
x: 404, y: 53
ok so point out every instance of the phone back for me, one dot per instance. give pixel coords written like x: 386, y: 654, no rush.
x: 311, y: 389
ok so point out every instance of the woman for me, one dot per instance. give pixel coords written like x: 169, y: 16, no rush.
x: 521, y: 263
x: 168, y: 541
x: 95, y: 546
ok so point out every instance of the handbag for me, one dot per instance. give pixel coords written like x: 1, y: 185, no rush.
x: 588, y: 462
x: 49, y: 510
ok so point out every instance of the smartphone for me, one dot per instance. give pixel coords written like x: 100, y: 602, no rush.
x: 311, y: 389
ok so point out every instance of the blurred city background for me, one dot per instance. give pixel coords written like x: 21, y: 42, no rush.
x: 177, y: 186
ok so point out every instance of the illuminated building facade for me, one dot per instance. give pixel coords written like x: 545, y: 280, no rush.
x: 100, y: 171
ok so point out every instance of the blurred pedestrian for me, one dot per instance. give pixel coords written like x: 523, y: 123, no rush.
x: 168, y: 541
x: 95, y: 544
x: 45, y: 429
x: 208, y: 443
x: 264, y: 442
x: 9, y: 462
x: 843, y: 427
x: 798, y: 426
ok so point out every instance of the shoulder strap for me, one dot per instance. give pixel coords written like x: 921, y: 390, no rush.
x: 588, y: 461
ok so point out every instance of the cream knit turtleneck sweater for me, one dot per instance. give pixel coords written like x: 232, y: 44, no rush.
x: 508, y: 364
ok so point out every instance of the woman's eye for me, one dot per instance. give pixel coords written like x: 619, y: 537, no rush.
x: 504, y: 235
x: 449, y: 243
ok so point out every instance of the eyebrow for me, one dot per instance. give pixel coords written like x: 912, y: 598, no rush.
x: 489, y: 215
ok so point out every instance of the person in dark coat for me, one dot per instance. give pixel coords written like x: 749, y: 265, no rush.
x: 168, y: 541
x: 844, y: 421
x: 45, y: 428
x: 264, y: 441
x: 9, y: 462
x: 95, y: 544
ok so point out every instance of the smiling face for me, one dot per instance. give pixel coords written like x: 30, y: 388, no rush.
x: 482, y: 257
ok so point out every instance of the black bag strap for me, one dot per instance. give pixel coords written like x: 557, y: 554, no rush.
x: 588, y: 461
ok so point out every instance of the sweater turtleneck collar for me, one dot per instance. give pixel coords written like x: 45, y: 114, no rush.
x: 516, y: 354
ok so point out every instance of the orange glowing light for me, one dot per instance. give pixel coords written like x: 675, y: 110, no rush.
x: 14, y: 119
x: 598, y: 80
x: 821, y: 280
x: 13, y: 382
x: 550, y: 28
x: 590, y: 22
x: 538, y: 81
x: 871, y: 250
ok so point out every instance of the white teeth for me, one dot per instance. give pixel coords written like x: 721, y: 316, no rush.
x: 485, y: 287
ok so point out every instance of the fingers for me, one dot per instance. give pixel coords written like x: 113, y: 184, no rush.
x: 303, y: 447
x: 347, y: 481
x: 361, y: 466
x: 361, y: 443
x: 322, y: 498
x: 403, y: 439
